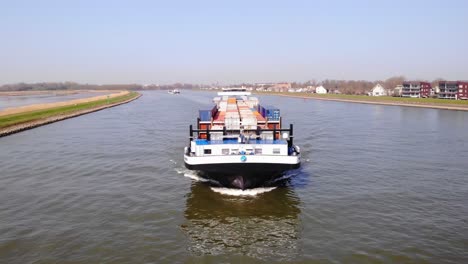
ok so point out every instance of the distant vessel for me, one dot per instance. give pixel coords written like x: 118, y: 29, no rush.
x: 175, y: 91
x: 240, y: 143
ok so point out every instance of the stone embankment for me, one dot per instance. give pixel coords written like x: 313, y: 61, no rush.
x: 393, y: 103
x: 36, y: 123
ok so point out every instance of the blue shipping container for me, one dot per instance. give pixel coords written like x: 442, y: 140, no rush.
x: 272, y: 113
x: 261, y: 110
x: 205, y: 115
x: 214, y: 111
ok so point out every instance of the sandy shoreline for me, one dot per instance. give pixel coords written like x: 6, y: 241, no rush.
x: 35, y: 107
x: 54, y: 92
x: 443, y: 107
x: 36, y: 123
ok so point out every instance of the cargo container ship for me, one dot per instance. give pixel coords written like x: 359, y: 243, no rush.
x: 240, y: 143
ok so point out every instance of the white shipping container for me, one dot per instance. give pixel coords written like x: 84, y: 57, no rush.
x: 253, y: 100
x: 252, y: 104
x: 233, y: 127
x: 267, y: 135
x: 232, y: 123
x: 249, y: 121
x: 216, y: 135
x: 250, y: 127
x: 232, y: 118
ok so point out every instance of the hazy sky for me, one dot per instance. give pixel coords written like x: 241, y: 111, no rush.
x: 241, y: 41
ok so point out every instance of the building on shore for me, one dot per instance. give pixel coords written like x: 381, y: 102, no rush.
x: 336, y: 91
x: 320, y: 90
x: 397, y: 91
x: 416, y: 89
x: 281, y: 87
x: 453, y: 90
x: 378, y: 90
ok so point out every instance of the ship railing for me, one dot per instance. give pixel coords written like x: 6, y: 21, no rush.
x: 257, y: 131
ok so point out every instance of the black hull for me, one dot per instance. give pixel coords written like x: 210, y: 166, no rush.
x: 243, y: 175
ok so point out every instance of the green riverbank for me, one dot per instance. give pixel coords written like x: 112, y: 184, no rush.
x: 385, y: 100
x: 25, y: 117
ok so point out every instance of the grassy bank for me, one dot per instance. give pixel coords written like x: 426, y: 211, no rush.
x: 20, y: 118
x: 376, y: 99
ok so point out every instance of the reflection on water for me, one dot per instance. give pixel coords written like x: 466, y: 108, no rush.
x: 109, y: 187
x: 265, y: 226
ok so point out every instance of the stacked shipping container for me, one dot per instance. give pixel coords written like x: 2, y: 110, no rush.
x: 232, y: 119
x: 234, y: 114
x: 270, y: 112
x: 249, y: 121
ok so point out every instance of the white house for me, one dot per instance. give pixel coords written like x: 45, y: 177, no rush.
x: 320, y: 90
x: 336, y: 91
x: 378, y: 90
x: 398, y: 90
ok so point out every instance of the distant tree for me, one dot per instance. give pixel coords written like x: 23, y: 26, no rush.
x: 392, y: 82
x: 435, y: 82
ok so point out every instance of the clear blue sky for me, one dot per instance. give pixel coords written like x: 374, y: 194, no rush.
x: 241, y: 41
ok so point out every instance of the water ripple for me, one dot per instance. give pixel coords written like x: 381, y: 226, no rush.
x: 377, y: 184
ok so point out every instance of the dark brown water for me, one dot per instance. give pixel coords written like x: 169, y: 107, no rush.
x: 378, y: 184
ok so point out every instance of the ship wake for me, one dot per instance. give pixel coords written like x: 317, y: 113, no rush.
x: 239, y: 192
x: 217, y: 187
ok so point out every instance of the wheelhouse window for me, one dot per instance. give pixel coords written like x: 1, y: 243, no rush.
x: 276, y: 151
x: 207, y: 151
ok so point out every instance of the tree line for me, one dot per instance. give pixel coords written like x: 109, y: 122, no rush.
x: 360, y: 87
x: 66, y: 86
x: 77, y: 86
x: 342, y: 86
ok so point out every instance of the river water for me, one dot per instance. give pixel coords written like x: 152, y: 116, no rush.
x: 377, y: 184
